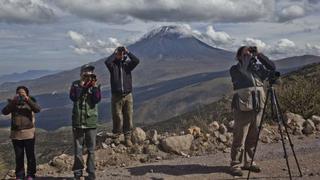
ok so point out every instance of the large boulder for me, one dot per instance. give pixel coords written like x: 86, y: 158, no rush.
x: 177, y: 144
x: 308, y: 127
x: 138, y: 136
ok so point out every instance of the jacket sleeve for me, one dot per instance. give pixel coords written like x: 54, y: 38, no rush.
x: 8, y: 108
x: 266, y: 62
x: 110, y: 61
x: 75, y: 93
x: 96, y: 94
x: 134, y: 61
x: 34, y: 105
x: 233, y: 74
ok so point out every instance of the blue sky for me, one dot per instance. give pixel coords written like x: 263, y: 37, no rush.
x: 63, y: 34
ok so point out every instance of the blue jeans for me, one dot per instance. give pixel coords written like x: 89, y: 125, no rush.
x: 83, y: 137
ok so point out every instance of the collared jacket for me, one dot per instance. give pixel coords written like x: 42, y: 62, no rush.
x: 85, y: 105
x: 22, y: 118
x: 120, y: 73
x: 248, y: 82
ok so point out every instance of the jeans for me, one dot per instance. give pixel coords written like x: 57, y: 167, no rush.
x: 83, y: 137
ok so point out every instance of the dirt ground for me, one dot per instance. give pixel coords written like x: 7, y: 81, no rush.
x: 269, y: 156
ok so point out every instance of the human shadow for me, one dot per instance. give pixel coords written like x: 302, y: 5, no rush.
x: 178, y: 170
x: 53, y: 178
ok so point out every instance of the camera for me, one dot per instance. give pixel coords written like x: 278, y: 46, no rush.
x: 20, y: 100
x: 253, y: 50
x: 90, y: 77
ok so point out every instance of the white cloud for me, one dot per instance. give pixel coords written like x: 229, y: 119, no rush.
x: 255, y: 42
x: 84, y: 46
x: 25, y: 11
x: 313, y: 49
x: 114, y: 11
x: 284, y: 46
x: 291, y: 12
x: 219, y: 37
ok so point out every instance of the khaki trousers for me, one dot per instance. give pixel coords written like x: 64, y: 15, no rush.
x: 245, y: 134
x: 122, y: 112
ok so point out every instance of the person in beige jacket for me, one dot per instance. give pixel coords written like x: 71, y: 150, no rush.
x: 247, y: 104
x: 22, y: 108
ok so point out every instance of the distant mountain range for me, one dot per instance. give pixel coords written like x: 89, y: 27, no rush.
x: 178, y: 71
x: 31, y: 74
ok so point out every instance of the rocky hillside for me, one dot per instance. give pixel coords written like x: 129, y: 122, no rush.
x: 297, y: 92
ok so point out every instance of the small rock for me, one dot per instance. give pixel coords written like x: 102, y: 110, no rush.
x: 222, y: 138
x: 265, y: 139
x: 227, y: 150
x: 104, y: 145
x: 113, y: 145
x: 150, y: 149
x: 194, y: 130
x: 294, y: 120
x: 138, y: 136
x: 316, y: 119
x: 143, y: 159
x: 214, y: 126
x: 223, y: 129
x: 153, y: 136
x: 308, y: 127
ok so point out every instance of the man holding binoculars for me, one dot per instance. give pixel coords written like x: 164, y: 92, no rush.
x: 120, y: 64
x: 85, y: 94
x: 247, y: 104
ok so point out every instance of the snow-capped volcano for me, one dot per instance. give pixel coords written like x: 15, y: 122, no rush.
x: 176, y: 43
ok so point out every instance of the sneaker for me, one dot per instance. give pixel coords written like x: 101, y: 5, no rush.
x: 30, y: 177
x: 78, y: 175
x: 91, y: 176
x: 253, y: 168
x: 236, y: 171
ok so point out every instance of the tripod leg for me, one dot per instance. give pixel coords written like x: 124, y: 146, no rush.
x: 280, y: 130
x: 289, y: 138
x: 259, y: 131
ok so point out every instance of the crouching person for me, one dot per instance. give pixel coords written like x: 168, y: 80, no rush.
x: 85, y: 94
x: 22, y: 108
x: 247, y: 105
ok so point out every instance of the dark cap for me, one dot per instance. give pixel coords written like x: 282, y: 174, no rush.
x: 87, y: 67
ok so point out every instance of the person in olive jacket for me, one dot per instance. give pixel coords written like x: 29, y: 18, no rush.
x: 85, y: 94
x: 22, y: 108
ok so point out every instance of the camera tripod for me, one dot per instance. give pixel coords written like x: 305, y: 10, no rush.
x: 278, y: 117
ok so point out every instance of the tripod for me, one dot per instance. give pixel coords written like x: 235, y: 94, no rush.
x: 276, y: 115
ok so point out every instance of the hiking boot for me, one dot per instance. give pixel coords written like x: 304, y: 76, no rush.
x: 128, y: 142
x: 253, y: 168
x: 236, y: 171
